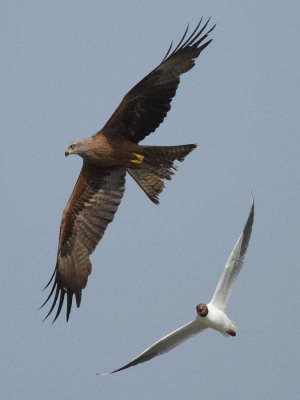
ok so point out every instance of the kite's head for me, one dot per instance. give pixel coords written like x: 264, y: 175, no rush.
x: 202, y: 310
x: 89, y: 149
x: 76, y: 147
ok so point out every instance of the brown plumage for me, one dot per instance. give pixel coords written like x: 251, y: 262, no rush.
x: 108, y: 155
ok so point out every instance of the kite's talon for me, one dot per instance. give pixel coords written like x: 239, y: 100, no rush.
x: 139, y: 158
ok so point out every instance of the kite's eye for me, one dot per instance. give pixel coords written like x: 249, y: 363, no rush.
x: 72, y: 146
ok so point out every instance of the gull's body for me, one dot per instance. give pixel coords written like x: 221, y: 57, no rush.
x: 218, y: 320
x: 211, y: 315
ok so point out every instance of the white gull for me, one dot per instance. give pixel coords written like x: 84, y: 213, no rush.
x: 211, y: 315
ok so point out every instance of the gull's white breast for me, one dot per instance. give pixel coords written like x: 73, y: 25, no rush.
x: 218, y: 320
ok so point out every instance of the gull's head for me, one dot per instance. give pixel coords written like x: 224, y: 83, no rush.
x: 77, y: 147
x: 202, y: 310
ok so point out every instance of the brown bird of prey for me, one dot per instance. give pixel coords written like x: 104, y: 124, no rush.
x: 108, y: 155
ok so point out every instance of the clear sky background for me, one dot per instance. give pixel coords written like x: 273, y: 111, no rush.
x: 65, y: 65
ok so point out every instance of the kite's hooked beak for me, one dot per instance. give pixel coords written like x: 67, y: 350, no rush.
x: 68, y: 152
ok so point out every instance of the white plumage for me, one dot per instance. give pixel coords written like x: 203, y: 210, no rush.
x: 211, y: 315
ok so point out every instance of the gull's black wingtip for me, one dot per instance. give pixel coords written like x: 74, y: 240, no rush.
x: 130, y: 364
x: 119, y: 369
x: 252, y: 198
x: 248, y: 228
x: 252, y: 206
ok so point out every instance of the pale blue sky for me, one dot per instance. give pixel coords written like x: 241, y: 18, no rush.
x: 65, y: 65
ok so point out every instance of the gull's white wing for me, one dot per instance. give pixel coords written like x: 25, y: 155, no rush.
x: 233, y: 265
x: 167, y: 343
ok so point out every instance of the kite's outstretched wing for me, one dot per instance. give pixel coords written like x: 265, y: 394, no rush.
x: 145, y: 106
x: 91, y: 207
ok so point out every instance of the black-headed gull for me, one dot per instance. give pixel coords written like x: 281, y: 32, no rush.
x: 211, y: 315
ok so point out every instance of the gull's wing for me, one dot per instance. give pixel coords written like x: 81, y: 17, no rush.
x: 167, y: 343
x: 233, y: 265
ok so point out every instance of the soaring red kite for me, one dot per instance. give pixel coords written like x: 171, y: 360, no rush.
x: 108, y: 155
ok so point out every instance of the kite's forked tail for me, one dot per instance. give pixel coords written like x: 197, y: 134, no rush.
x: 155, y: 164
